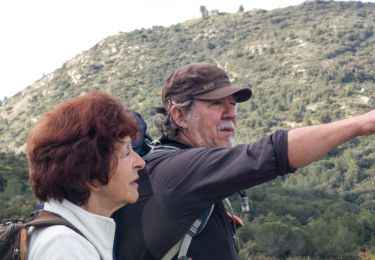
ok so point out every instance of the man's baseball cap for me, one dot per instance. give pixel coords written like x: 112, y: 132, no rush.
x: 200, y: 81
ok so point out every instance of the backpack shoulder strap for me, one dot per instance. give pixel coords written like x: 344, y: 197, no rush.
x: 43, y: 218
x: 182, y: 246
x: 158, y: 150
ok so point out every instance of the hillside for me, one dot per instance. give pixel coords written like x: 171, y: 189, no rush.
x: 305, y: 64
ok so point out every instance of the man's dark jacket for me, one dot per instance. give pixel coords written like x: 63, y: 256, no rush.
x: 176, y: 187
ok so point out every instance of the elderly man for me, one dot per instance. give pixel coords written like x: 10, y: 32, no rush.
x: 204, y: 167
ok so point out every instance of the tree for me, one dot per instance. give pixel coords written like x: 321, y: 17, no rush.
x: 5, y: 100
x: 13, y: 187
x: 241, y: 9
x: 272, y: 238
x: 204, y: 11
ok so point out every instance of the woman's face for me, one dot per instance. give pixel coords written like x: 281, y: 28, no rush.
x: 122, y: 187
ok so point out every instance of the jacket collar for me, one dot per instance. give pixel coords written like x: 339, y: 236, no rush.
x: 166, y: 141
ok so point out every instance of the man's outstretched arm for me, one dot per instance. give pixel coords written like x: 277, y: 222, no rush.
x: 307, y: 144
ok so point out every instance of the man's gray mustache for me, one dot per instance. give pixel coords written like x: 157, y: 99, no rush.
x: 227, y: 125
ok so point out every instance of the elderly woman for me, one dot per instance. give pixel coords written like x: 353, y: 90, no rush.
x: 81, y: 164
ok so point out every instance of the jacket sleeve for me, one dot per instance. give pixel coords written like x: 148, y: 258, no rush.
x: 187, y: 181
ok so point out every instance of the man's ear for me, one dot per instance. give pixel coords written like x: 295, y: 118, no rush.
x: 178, y: 116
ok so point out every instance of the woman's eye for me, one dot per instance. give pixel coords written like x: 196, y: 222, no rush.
x: 124, y: 153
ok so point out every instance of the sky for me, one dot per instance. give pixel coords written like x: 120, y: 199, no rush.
x: 38, y: 36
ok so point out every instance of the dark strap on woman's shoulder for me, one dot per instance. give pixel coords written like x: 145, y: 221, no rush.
x: 44, y: 218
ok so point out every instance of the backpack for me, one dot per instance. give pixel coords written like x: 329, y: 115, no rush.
x: 141, y: 145
x: 13, y: 232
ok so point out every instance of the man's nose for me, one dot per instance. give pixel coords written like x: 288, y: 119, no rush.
x: 230, y: 110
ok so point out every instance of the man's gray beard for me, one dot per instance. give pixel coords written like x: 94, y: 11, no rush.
x: 232, y: 141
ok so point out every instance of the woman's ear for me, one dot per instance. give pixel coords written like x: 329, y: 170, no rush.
x: 94, y: 185
x: 179, y: 117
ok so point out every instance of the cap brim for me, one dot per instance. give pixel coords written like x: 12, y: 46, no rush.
x: 241, y: 94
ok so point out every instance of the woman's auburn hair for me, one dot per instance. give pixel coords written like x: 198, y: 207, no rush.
x: 76, y: 143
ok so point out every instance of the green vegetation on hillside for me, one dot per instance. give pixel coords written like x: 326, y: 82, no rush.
x: 15, y: 194
x: 300, y: 222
